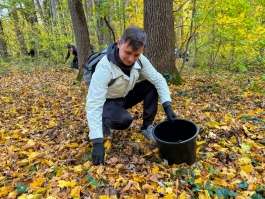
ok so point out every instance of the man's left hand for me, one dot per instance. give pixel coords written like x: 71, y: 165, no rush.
x: 170, y: 113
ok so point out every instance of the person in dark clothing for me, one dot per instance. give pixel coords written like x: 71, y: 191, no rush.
x: 106, y: 106
x: 72, y: 50
x: 31, y: 53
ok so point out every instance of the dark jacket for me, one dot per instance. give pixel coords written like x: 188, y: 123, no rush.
x: 74, y: 53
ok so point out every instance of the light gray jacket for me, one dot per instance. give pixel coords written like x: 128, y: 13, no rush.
x: 99, y: 90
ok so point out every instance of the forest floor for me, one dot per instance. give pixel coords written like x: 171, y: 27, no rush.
x: 45, y: 150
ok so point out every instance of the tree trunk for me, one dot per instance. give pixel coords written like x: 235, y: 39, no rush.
x: 18, y: 32
x: 88, y: 7
x: 192, y: 34
x: 29, y: 13
x: 47, y: 12
x: 40, y: 9
x: 81, y: 32
x: 54, y: 13
x: 3, y: 45
x: 103, y: 31
x: 159, y: 26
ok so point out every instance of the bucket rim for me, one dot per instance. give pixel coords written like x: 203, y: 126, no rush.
x: 184, y: 141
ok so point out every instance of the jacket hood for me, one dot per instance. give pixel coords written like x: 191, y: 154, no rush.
x: 113, y: 53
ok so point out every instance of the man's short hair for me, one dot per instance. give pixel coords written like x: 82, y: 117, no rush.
x: 135, y: 37
x: 69, y: 45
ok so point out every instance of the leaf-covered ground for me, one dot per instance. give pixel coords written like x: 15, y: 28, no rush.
x: 45, y: 151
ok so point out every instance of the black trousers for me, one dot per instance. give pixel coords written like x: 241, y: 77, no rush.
x: 74, y: 63
x: 115, y: 114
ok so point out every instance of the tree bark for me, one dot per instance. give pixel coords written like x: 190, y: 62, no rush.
x: 88, y: 7
x: 159, y: 26
x: 103, y: 32
x: 3, y: 45
x: 40, y: 11
x: 53, y: 8
x: 81, y: 32
x: 20, y: 36
x: 54, y: 13
x: 192, y: 34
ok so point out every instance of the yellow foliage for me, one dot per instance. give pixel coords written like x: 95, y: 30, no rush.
x: 63, y: 183
x: 32, y: 156
x: 204, y: 195
x: 198, y: 180
x: 4, y: 191
x: 183, y: 195
x: 233, y: 139
x: 104, y: 197
x: 107, y: 144
x: 138, y: 178
x: 35, y: 153
x: 160, y: 189
x: 2, y: 134
x: 168, y: 190
x: 37, y: 183
x: 155, y: 170
x: 73, y: 145
x: 247, y: 168
x: 220, y: 181
x: 75, y: 193
x: 170, y: 196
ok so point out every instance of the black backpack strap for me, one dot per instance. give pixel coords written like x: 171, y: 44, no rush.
x: 111, y: 82
x: 140, y: 63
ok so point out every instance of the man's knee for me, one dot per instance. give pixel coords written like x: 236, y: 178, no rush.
x: 127, y: 120
x: 123, y: 123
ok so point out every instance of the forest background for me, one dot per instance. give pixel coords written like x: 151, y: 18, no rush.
x: 44, y: 149
x: 217, y: 35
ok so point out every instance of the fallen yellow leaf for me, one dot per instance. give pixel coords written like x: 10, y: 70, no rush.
x: 220, y: 181
x: 247, y: 168
x: 75, y: 193
x: 33, y: 156
x: 63, y: 183
x: 182, y: 195
x: 37, y: 183
x: 107, y: 144
x: 155, y: 170
x: 3, y: 191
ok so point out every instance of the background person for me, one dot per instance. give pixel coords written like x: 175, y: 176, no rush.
x: 72, y: 50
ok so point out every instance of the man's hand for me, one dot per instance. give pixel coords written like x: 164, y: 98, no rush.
x: 98, y: 153
x: 170, y: 113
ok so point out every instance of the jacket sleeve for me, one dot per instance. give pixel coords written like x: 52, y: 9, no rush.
x: 67, y: 56
x: 152, y: 75
x: 75, y: 51
x: 96, y: 98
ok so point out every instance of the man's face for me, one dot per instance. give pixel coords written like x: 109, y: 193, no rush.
x: 127, y: 55
x: 70, y: 49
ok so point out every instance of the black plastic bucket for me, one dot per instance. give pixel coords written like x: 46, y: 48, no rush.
x: 177, y: 141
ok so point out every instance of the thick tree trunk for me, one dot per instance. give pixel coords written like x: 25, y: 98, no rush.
x: 3, y: 45
x: 81, y: 32
x: 159, y: 26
